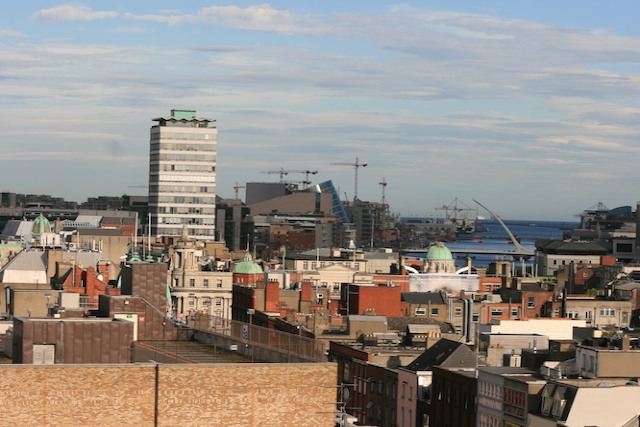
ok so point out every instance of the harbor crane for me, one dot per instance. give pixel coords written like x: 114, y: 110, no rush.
x: 357, y: 165
x: 452, y: 209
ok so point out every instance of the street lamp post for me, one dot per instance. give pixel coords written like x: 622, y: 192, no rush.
x: 250, y: 312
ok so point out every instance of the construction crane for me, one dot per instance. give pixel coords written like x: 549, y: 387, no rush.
x: 238, y: 187
x: 357, y: 165
x: 451, y: 210
x: 280, y: 172
x: 383, y: 183
x: 306, y: 175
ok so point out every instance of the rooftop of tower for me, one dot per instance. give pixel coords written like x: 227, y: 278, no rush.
x: 183, y: 116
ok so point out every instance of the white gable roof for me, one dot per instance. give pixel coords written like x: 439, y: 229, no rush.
x: 584, y: 412
x: 26, y: 267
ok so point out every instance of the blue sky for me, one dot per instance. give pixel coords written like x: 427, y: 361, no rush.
x: 529, y: 107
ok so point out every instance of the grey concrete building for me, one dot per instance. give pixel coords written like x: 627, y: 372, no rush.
x: 182, y: 175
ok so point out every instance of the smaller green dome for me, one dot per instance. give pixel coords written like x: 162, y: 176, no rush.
x: 40, y: 225
x: 247, y: 266
x: 439, y: 252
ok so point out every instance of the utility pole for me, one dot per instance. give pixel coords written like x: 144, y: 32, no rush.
x: 357, y: 165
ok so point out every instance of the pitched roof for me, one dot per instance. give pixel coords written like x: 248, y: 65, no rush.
x: 444, y: 353
x: 552, y: 246
x: 627, y: 286
x: 582, y: 411
x: 25, y: 267
x: 14, y: 229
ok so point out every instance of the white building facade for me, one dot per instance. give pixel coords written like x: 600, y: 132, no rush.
x: 182, y: 175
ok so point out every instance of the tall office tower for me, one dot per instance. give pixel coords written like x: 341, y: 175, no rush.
x: 182, y: 175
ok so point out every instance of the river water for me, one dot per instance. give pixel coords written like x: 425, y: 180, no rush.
x: 492, y: 236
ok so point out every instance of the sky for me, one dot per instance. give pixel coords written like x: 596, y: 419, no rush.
x: 531, y: 108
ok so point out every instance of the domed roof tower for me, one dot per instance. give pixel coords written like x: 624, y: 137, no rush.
x: 41, y: 225
x: 247, y: 266
x: 439, y: 260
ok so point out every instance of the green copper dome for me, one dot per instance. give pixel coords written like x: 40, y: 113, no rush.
x: 439, y: 252
x: 40, y: 225
x: 247, y: 266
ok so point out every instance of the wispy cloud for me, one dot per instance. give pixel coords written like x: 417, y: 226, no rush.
x: 415, y: 93
x: 262, y: 17
x: 9, y: 33
x: 67, y: 12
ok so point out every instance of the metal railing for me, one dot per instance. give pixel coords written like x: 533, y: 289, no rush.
x: 260, y: 338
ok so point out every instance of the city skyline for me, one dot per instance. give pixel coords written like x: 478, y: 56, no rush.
x: 528, y: 108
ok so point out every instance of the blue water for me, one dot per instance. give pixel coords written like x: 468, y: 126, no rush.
x: 525, y: 230
x: 496, y: 238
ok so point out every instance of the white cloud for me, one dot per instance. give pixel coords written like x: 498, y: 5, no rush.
x: 9, y: 33
x: 467, y: 99
x: 262, y: 17
x: 67, y: 12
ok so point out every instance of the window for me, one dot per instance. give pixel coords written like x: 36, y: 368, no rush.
x: 44, y: 354
x: 205, y: 283
x: 558, y: 407
x: 421, y: 311
x: 547, y: 402
x: 434, y: 311
x: 531, y: 302
x: 192, y: 301
x: 313, y: 265
x: 305, y: 265
x: 402, y: 390
x: 218, y: 301
x: 496, y: 312
x: 457, y: 311
x: 607, y: 311
x: 588, y: 314
x: 192, y: 282
x: 219, y: 283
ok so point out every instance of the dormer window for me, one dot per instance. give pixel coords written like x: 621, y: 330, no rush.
x: 547, y: 402
x: 558, y: 407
